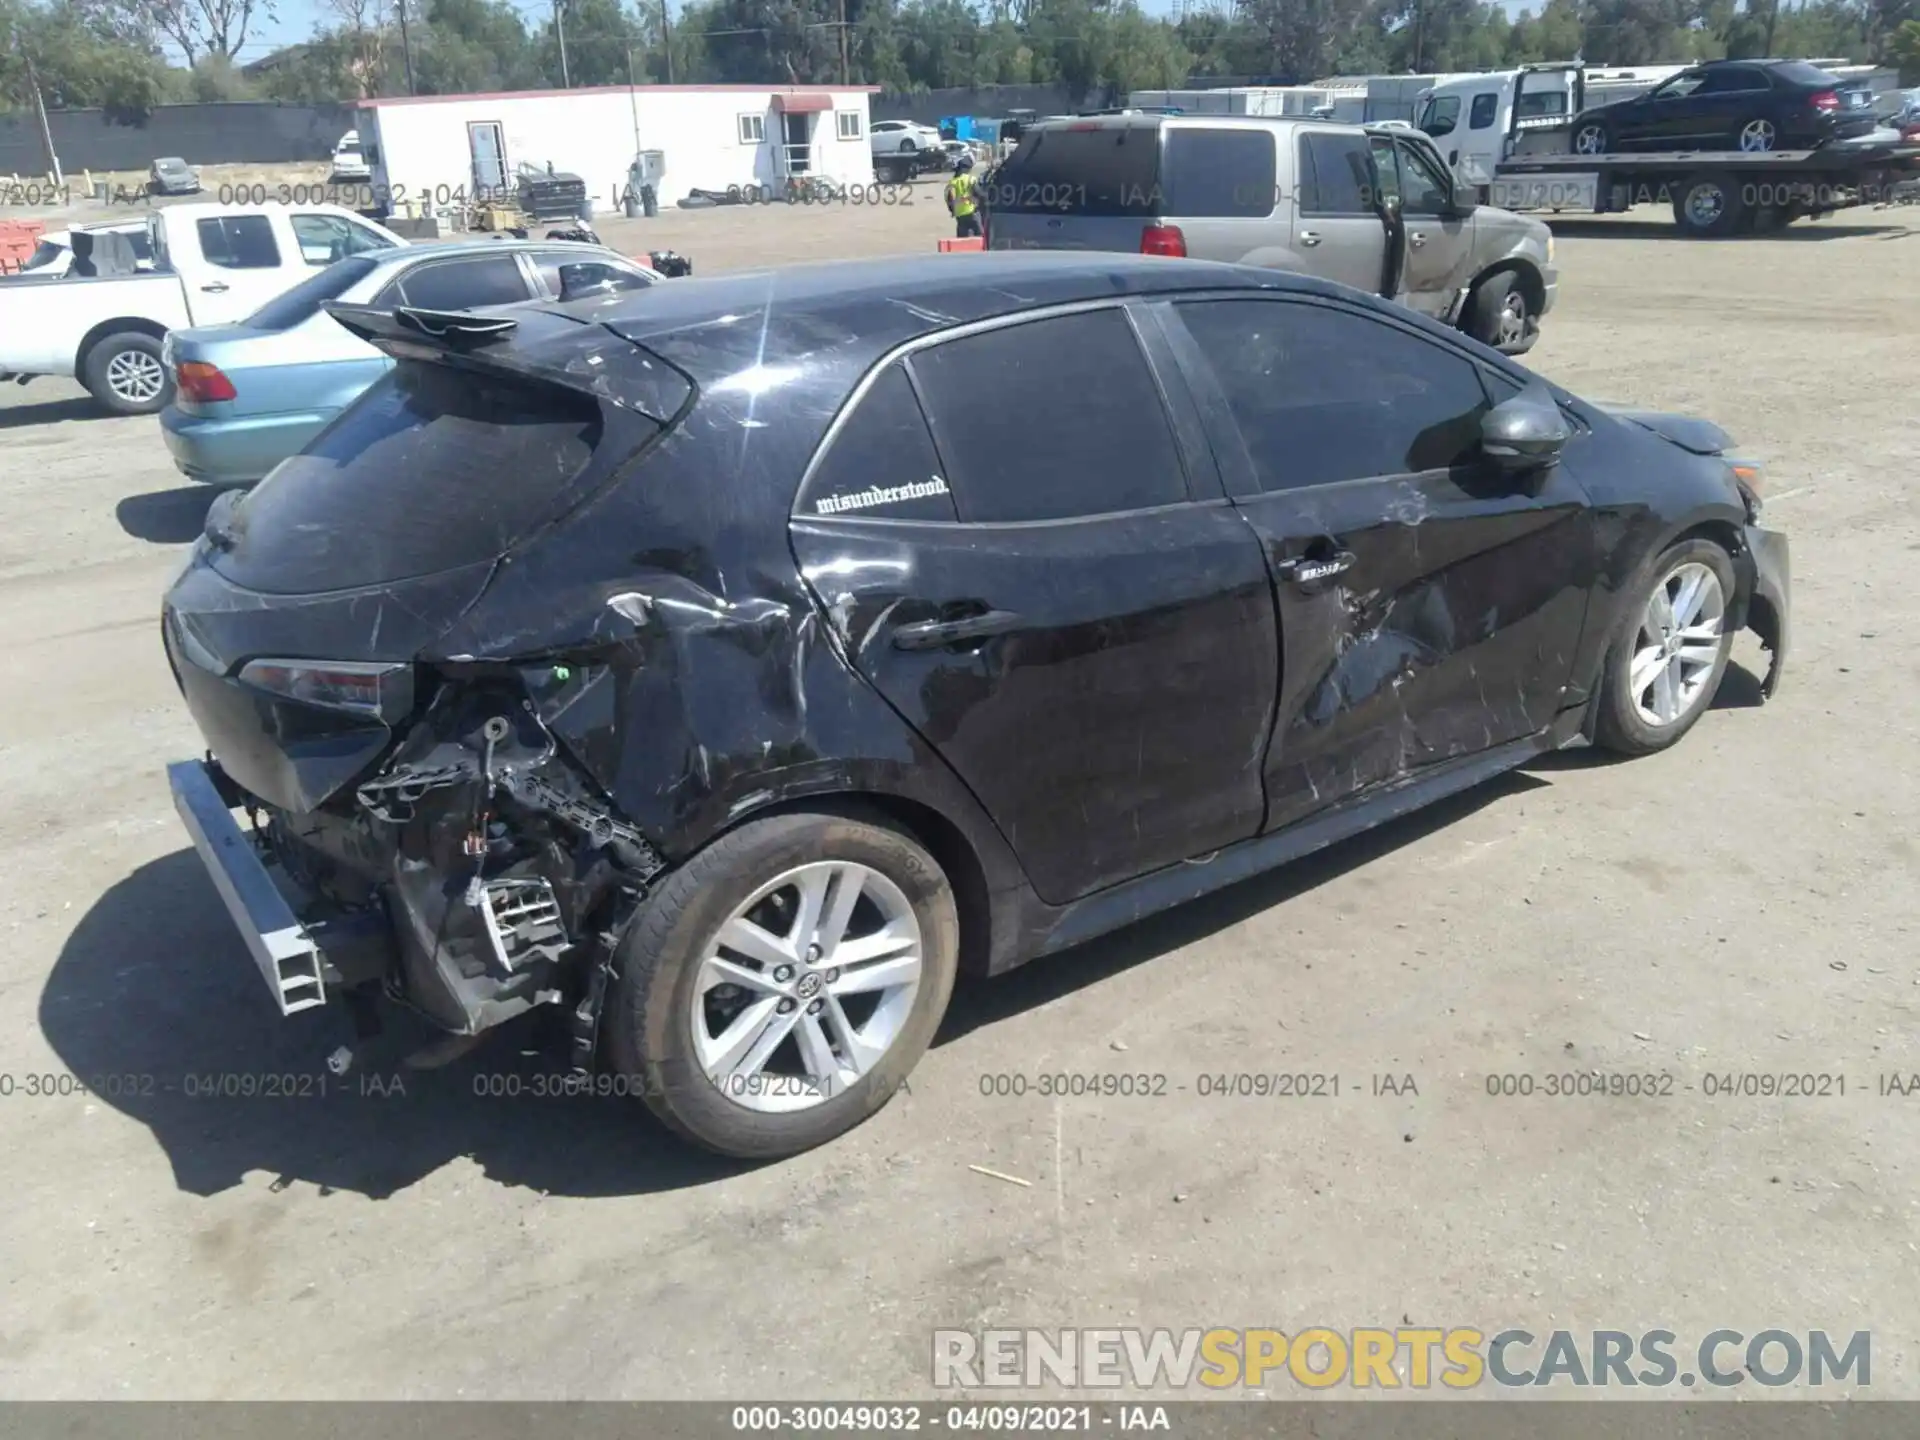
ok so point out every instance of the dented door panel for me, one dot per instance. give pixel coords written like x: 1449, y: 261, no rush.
x: 1453, y: 630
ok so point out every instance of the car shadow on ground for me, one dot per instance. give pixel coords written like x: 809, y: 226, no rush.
x: 167, y: 517
x: 155, y: 1005
x: 1568, y: 228
x: 48, y: 412
x: 1049, y: 979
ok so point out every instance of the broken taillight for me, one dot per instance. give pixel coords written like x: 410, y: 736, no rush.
x: 202, y: 383
x: 1163, y: 240
x: 382, y: 691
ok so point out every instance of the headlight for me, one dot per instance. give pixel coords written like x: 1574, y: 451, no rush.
x: 1549, y: 247
x: 382, y: 691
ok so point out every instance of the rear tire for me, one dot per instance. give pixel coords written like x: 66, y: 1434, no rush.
x: 664, y: 1007
x: 1592, y: 138
x: 1709, y: 206
x: 1658, y: 680
x: 123, y: 372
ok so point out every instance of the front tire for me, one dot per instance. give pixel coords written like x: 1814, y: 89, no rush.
x: 123, y: 372
x: 1592, y: 138
x: 776, y: 990
x: 1665, y: 665
x: 1498, y: 314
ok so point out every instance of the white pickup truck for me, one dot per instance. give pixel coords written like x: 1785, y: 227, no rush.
x: 103, y: 322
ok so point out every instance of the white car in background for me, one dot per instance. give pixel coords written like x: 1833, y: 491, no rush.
x: 901, y: 137
x: 349, y: 163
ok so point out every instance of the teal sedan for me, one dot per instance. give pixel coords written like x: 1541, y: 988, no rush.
x: 249, y: 395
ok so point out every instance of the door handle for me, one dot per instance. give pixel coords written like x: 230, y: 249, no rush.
x: 1416, y: 239
x: 219, y: 287
x: 1309, y: 237
x: 933, y: 634
x: 1304, y: 569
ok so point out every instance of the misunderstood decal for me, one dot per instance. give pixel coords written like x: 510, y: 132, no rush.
x: 879, y: 495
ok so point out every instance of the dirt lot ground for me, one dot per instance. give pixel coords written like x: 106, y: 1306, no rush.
x: 1746, y: 903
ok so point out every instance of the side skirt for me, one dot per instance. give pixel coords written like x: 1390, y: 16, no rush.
x: 1136, y: 899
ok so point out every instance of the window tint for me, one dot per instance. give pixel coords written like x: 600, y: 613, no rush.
x: 1050, y: 419
x: 1731, y: 82
x: 1218, y: 172
x: 239, y: 242
x: 465, y: 284
x: 569, y: 274
x: 1323, y: 395
x: 291, y: 307
x: 1679, y: 86
x: 1481, y: 116
x: 1106, y: 170
x: 1336, y: 177
x: 1423, y: 189
x: 882, y: 463
x: 430, y: 469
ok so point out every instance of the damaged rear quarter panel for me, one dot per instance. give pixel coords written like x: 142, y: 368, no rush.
x: 716, y: 694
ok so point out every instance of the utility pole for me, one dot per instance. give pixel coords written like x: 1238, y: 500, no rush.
x: 1773, y: 18
x: 844, y: 78
x: 666, y: 39
x: 406, y: 45
x: 560, y: 28
x: 46, y: 129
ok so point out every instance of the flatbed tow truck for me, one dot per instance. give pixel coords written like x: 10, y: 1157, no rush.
x: 1711, y: 192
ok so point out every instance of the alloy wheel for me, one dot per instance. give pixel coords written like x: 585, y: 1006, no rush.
x: 135, y: 377
x: 1677, y: 646
x: 1758, y: 135
x: 1511, y: 328
x: 806, y: 986
x: 1591, y: 140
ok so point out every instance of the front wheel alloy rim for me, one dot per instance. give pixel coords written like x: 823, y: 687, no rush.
x: 1678, y: 645
x: 1758, y: 135
x: 806, y: 986
x: 1590, y: 141
x: 135, y: 376
x: 1513, y: 319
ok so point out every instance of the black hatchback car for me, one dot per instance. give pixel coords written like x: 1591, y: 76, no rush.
x: 726, y: 668
x: 1751, y: 105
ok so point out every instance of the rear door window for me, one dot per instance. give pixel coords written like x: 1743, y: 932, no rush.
x: 465, y: 284
x: 239, y: 242
x: 1050, y: 419
x: 1213, y: 173
x: 432, y: 468
x: 1097, y: 170
x: 1481, y: 115
x: 882, y: 464
x: 1336, y: 175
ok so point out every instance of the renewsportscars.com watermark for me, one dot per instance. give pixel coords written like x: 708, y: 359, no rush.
x: 1392, y: 1358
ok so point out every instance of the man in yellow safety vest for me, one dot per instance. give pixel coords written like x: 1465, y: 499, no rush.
x: 962, y: 204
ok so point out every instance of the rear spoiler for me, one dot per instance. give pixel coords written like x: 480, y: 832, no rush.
x: 589, y: 358
x: 453, y: 329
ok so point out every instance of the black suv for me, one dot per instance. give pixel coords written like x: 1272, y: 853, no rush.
x: 725, y: 668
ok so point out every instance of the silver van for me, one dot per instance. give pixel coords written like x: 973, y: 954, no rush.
x: 1374, y: 207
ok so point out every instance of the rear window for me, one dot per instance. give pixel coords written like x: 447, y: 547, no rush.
x: 301, y: 303
x: 431, y: 469
x: 1107, y: 170
x: 1799, y: 72
x: 239, y: 242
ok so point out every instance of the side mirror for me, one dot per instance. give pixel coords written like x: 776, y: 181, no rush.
x: 1466, y: 199
x: 1525, y: 433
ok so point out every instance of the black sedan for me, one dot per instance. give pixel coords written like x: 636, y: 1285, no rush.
x: 1751, y: 105
x: 726, y: 669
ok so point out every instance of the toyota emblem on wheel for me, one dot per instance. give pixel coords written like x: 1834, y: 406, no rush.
x: 808, y: 987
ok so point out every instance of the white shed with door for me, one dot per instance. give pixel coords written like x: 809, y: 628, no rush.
x: 438, y: 150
